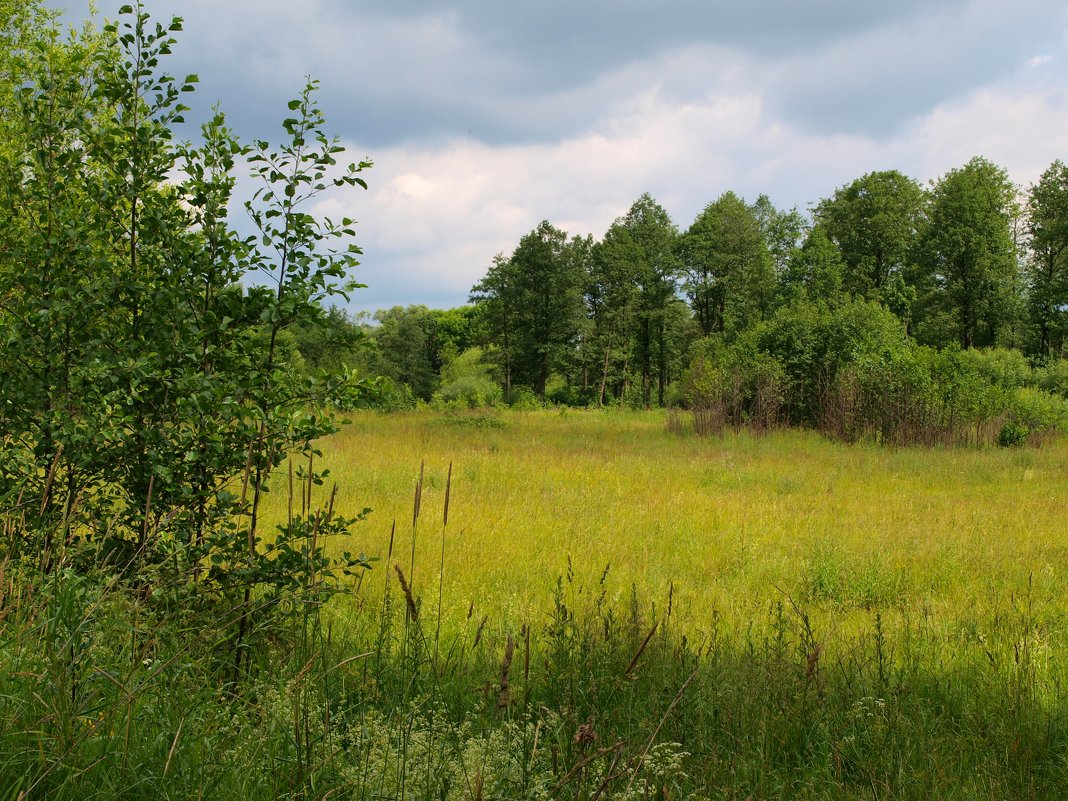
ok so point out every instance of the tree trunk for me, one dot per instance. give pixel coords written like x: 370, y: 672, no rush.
x: 604, y: 376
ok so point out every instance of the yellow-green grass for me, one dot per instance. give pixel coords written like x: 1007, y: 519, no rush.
x: 728, y: 524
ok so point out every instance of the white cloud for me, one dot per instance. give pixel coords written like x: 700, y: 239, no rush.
x: 436, y: 216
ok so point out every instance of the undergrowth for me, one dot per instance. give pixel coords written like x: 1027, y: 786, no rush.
x: 107, y: 694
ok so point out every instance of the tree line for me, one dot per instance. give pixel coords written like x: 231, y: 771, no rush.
x: 968, y: 262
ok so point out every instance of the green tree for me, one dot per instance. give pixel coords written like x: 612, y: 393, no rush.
x: 406, y: 348
x: 649, y: 249
x: 815, y: 270
x: 536, y: 310
x: 150, y: 382
x: 728, y: 270
x: 876, y: 222
x: 612, y: 299
x: 1047, y: 269
x: 783, y: 232
x: 970, y: 253
x: 497, y: 301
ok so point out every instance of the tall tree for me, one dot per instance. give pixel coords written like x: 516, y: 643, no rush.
x: 651, y: 249
x: 1047, y: 269
x: 405, y: 344
x: 876, y: 221
x: 728, y: 270
x: 536, y: 302
x: 970, y: 252
x: 815, y: 270
x: 783, y: 230
x: 611, y: 297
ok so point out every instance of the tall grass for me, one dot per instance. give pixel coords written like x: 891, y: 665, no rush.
x: 570, y: 631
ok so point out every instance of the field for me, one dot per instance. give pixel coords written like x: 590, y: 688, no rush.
x: 747, y: 617
x: 727, y: 525
x: 627, y: 613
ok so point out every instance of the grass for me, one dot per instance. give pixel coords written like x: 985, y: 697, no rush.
x: 626, y: 614
x: 721, y: 524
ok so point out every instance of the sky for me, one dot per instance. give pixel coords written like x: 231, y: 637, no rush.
x: 485, y: 117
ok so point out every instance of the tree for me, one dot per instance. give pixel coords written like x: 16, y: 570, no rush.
x: 535, y: 300
x: 649, y: 246
x: 612, y: 299
x: 970, y: 252
x: 729, y: 274
x: 783, y: 232
x: 406, y: 348
x: 151, y: 385
x: 815, y: 269
x: 496, y: 297
x: 1047, y: 269
x: 875, y: 221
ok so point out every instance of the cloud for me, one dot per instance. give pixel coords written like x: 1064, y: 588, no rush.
x: 484, y: 118
x: 439, y: 214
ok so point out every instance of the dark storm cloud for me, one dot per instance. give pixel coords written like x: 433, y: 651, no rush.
x: 503, y: 72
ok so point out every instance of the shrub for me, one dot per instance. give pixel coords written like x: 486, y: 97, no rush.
x: 466, y: 383
x: 1053, y: 377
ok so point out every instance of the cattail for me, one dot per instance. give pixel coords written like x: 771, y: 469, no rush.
x: 448, y: 490
x: 504, y: 697
x: 50, y: 478
x: 526, y: 654
x: 416, y: 506
x: 813, y: 662
x: 413, y: 611
x: 478, y: 631
x: 641, y: 650
x: 290, y: 504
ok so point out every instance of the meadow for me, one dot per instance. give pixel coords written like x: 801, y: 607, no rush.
x: 614, y: 610
x: 720, y: 525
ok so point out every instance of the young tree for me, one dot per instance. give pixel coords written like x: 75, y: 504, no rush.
x: 150, y: 382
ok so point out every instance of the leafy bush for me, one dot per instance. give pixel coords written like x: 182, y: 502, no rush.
x: 524, y: 399
x: 466, y: 383
x: 1040, y: 412
x: 1001, y: 367
x: 1053, y: 377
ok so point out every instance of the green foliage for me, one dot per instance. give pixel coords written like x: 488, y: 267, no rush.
x: 875, y: 221
x: 728, y: 266
x: 151, y: 394
x: 1053, y: 377
x: 1039, y: 412
x: 406, y: 349
x: 816, y: 270
x: 532, y: 305
x: 466, y: 383
x: 970, y: 255
x: 1047, y: 269
x: 852, y: 372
